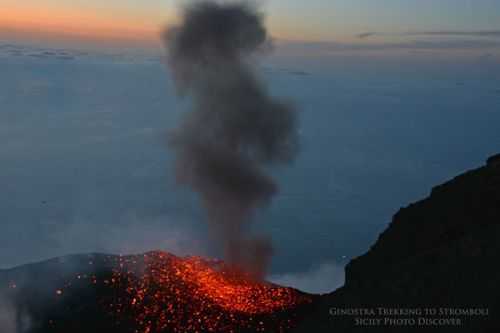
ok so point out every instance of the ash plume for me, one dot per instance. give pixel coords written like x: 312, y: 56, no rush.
x: 235, y: 129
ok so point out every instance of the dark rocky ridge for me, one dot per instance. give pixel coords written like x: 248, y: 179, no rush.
x: 442, y: 251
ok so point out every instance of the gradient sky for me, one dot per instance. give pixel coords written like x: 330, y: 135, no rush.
x: 386, y: 99
x: 316, y: 20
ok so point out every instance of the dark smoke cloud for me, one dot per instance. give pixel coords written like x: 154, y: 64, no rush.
x: 235, y: 129
x: 366, y: 34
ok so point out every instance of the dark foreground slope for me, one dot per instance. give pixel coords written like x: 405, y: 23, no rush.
x: 438, y: 255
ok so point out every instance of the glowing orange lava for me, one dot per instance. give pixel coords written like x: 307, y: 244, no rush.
x: 167, y: 293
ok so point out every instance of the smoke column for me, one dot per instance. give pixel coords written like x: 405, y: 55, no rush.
x: 235, y: 129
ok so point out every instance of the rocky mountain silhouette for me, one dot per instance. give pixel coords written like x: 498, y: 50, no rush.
x: 437, y: 263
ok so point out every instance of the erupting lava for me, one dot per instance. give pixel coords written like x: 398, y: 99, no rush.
x: 165, y: 293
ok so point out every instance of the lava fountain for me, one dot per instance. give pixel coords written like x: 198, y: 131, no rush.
x: 165, y: 293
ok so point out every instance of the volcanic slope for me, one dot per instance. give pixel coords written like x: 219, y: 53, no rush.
x: 150, y: 293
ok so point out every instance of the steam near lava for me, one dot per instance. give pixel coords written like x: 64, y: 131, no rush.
x: 235, y: 129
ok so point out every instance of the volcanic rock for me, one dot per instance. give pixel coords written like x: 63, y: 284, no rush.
x: 440, y: 254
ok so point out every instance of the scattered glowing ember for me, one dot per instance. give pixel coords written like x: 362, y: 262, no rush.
x: 167, y: 293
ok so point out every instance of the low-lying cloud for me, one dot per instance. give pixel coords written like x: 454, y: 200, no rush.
x: 321, y: 279
x: 480, y: 33
x: 422, y: 44
x: 11, y: 320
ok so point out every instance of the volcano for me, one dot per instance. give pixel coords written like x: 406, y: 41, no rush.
x: 152, y: 292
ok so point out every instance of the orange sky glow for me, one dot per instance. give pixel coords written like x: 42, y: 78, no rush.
x: 66, y: 24
x: 76, y: 22
x: 141, y: 22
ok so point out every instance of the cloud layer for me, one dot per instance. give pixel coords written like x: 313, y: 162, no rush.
x: 322, y: 279
x: 446, y: 33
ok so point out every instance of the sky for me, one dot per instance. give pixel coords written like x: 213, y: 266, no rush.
x: 84, y: 158
x: 314, y: 20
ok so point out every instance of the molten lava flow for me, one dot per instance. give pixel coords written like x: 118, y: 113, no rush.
x: 167, y: 293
